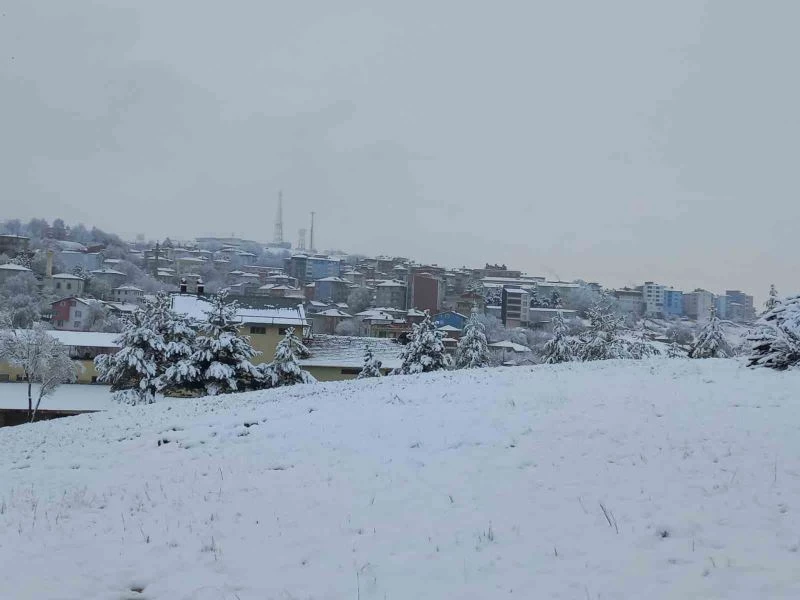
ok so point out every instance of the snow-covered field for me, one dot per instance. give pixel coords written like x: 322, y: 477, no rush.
x: 659, y: 479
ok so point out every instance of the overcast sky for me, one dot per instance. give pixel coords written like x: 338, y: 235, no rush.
x: 612, y: 141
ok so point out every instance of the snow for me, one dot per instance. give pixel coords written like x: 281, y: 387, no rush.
x: 85, y: 339
x: 658, y: 479
x: 510, y: 346
x: 66, y: 276
x: 195, y: 308
x: 66, y: 397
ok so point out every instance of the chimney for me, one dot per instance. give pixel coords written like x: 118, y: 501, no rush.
x: 183, y: 285
x: 200, y: 287
x: 49, y: 271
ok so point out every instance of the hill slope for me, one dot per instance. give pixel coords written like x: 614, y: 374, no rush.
x: 662, y: 479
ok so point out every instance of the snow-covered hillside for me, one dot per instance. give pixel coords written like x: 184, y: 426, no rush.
x: 659, y: 479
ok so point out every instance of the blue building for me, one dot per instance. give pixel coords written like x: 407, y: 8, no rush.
x: 673, y: 303
x: 310, y: 268
x: 451, y: 318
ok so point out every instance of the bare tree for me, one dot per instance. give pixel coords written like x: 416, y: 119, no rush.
x: 42, y: 358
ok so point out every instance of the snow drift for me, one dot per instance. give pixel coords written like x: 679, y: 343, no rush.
x: 630, y: 479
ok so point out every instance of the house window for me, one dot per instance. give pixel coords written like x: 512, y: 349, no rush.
x: 282, y: 330
x: 77, y: 324
x: 60, y: 323
x: 94, y: 378
x: 349, y: 371
x: 19, y: 378
x: 258, y: 330
x: 78, y: 313
x: 69, y: 286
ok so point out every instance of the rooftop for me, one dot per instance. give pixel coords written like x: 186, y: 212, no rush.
x: 348, y: 352
x: 195, y: 308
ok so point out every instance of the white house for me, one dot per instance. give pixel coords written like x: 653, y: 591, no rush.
x: 10, y: 270
x: 67, y: 284
x: 127, y: 294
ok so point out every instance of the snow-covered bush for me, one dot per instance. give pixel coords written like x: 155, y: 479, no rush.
x: 711, y: 342
x: 776, y: 342
x: 473, y: 349
x: 425, y: 351
x: 372, y: 366
x: 284, y: 369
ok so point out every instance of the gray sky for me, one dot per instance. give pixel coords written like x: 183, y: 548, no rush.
x: 615, y: 141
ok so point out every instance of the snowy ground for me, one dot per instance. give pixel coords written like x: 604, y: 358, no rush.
x: 662, y: 479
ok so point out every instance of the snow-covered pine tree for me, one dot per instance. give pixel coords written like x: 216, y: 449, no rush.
x: 558, y: 349
x: 555, y: 300
x: 674, y: 350
x: 776, y: 343
x: 135, y: 370
x: 372, y: 366
x: 473, y: 348
x: 220, y: 359
x: 602, y: 341
x: 284, y: 369
x: 425, y: 351
x: 711, y: 342
x: 772, y: 300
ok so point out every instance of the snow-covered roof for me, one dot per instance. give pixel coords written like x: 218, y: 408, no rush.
x: 86, y: 339
x: 122, y: 306
x: 13, y: 267
x: 107, y: 272
x: 334, y: 312
x: 413, y: 312
x: 195, y: 308
x: 317, y: 303
x: 348, y: 352
x: 66, y: 276
x: 552, y: 310
x: 391, y: 284
x: 448, y: 328
x: 112, y: 261
x: 515, y: 291
x: 130, y: 288
x: 510, y: 346
x: 334, y: 279
x: 249, y: 275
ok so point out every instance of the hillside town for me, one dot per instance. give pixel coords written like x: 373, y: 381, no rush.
x: 84, y: 284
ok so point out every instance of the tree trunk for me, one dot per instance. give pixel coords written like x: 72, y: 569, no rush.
x: 30, y: 401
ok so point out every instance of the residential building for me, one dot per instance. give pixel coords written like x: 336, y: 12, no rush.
x: 653, y: 296
x: 87, y: 261
x: 450, y: 318
x: 127, y: 294
x: 11, y: 245
x: 747, y: 312
x: 9, y: 270
x: 673, y: 303
x: 110, y: 276
x: 72, y: 314
x: 391, y: 293
x: 697, y: 305
x: 307, y: 268
x: 722, y: 304
x: 327, y: 321
x: 67, y: 284
x: 331, y: 289
x: 495, y: 271
x: 335, y: 357
x: 630, y: 301
x: 469, y: 301
x: 265, y: 326
x: 514, y: 307
x: 82, y: 346
x: 426, y: 292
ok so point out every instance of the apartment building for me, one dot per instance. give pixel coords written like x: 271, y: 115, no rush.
x: 698, y: 304
x: 514, y: 307
x: 391, y: 294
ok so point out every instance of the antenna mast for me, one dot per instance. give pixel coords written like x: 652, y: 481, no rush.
x: 278, y: 234
x: 311, y: 240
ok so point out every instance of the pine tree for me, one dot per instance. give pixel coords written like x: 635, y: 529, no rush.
x: 372, y: 366
x: 220, y: 360
x: 555, y: 300
x: 284, y: 369
x: 776, y: 343
x: 473, y: 348
x: 152, y: 341
x: 772, y: 300
x: 711, y: 342
x: 425, y: 351
x: 675, y: 351
x: 602, y: 341
x: 641, y: 347
x: 558, y: 349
